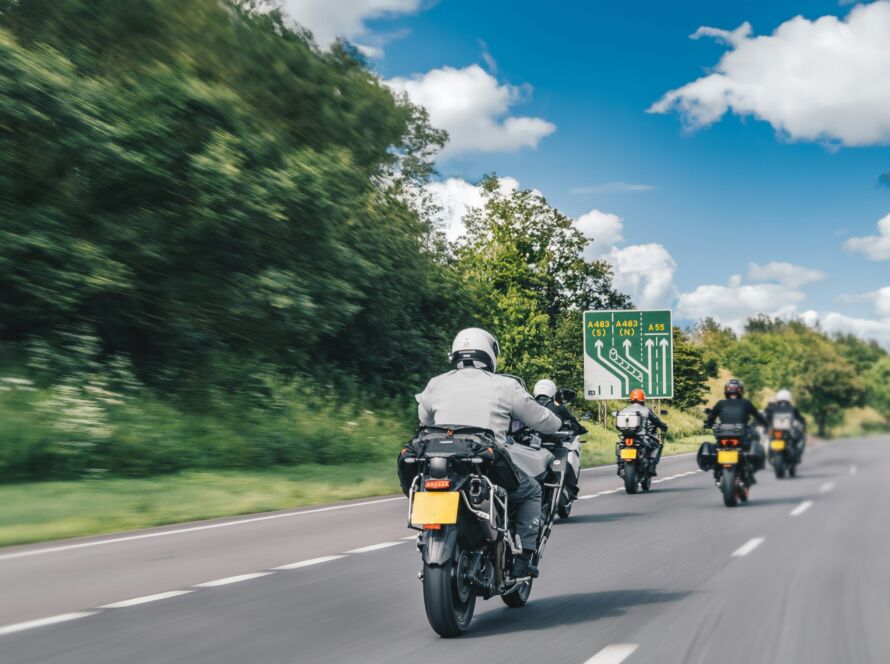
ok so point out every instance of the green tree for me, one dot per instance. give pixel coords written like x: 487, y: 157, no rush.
x: 690, y: 376
x: 715, y: 341
x: 830, y: 386
x: 877, y: 390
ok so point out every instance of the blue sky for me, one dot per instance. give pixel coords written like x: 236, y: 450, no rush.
x: 718, y: 197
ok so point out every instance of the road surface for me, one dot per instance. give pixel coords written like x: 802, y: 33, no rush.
x: 800, y: 574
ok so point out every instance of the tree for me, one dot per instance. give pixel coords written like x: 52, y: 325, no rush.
x: 715, y: 341
x: 877, y: 386
x: 830, y: 386
x: 690, y: 377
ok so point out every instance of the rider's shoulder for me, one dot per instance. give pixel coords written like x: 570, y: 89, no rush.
x: 510, y: 378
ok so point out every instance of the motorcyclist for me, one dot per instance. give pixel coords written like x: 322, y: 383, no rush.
x: 472, y: 394
x: 547, y: 394
x: 651, y: 423
x: 736, y: 409
x: 783, y: 403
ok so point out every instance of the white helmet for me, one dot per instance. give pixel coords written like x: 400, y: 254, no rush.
x: 783, y: 395
x: 476, y: 348
x: 545, y: 387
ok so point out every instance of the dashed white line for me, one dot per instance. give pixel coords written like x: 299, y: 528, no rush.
x: 145, y: 599
x: 310, y: 562
x: 803, y: 507
x: 52, y: 620
x: 825, y: 488
x: 375, y: 547
x: 231, y: 579
x: 748, y: 547
x: 613, y: 654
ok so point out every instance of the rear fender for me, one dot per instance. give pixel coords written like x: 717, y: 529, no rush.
x: 439, y: 545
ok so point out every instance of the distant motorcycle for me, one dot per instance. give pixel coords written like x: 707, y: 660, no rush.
x: 783, y: 455
x: 733, y: 467
x: 635, y: 465
x: 457, y: 480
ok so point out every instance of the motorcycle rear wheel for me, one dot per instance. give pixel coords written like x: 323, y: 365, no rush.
x: 779, y: 467
x: 630, y: 477
x: 792, y: 470
x: 449, y: 603
x: 729, y: 487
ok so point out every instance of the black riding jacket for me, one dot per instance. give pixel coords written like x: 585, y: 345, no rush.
x: 562, y: 413
x: 734, y: 411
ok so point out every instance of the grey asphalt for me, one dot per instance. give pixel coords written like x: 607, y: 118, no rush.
x: 653, y: 570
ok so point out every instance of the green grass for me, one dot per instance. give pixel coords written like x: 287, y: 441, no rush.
x: 37, y: 511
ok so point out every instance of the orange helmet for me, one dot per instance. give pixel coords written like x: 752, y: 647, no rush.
x: 637, y: 396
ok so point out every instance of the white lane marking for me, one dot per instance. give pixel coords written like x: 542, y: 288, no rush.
x: 190, y: 529
x: 310, y: 562
x: 375, y: 547
x: 825, y: 488
x: 231, y: 579
x: 613, y: 654
x: 852, y: 470
x: 52, y: 620
x: 803, y: 507
x: 410, y: 538
x: 145, y: 599
x: 748, y: 547
x: 588, y: 496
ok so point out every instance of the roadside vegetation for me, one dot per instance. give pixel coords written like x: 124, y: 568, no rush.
x: 223, y: 278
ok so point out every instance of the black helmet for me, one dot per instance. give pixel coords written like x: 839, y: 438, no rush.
x: 733, y: 386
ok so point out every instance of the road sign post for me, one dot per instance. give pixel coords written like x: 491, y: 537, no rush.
x: 626, y: 350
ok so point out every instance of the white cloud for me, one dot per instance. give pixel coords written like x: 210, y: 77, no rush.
x: 646, y: 273
x: 873, y: 247
x: 811, y: 80
x: 604, y: 229
x: 879, y: 299
x: 733, y: 304
x: 456, y: 196
x: 329, y: 19
x: 473, y: 108
x: 865, y: 328
x: 613, y: 187
x: 787, y: 274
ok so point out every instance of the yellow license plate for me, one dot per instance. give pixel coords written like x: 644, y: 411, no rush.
x: 777, y: 445
x: 435, y: 507
x: 629, y: 453
x: 727, y: 456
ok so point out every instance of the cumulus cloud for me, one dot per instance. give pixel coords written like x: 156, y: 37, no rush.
x: 811, y: 80
x: 733, y: 304
x: 646, y: 273
x: 787, y: 274
x: 604, y: 229
x: 835, y: 323
x: 473, y: 107
x: 344, y: 18
x: 455, y: 196
x: 879, y: 299
x: 873, y: 247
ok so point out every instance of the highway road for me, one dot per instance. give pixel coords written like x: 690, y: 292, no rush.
x: 800, y: 574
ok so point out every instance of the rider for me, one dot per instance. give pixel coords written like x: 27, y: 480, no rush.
x: 782, y: 403
x: 472, y: 394
x: 547, y: 394
x: 651, y: 423
x: 735, y: 409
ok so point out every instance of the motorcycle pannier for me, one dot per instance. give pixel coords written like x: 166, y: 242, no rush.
x: 628, y: 421
x: 707, y: 456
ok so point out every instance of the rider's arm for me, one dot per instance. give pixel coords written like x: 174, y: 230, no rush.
x: 713, y: 415
x: 800, y: 418
x: 530, y: 412
x: 757, y: 415
x: 424, y: 407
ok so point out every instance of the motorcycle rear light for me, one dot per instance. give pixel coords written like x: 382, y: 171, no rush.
x: 432, y: 526
x: 437, y: 485
x: 628, y: 441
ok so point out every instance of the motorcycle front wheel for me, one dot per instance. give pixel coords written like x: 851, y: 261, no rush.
x: 630, y: 477
x: 729, y: 487
x: 448, y: 597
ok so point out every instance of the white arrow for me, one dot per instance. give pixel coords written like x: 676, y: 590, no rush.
x: 627, y: 346
x: 604, y: 362
x: 664, y: 365
x: 649, y: 345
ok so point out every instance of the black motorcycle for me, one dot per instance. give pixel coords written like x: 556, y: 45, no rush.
x: 457, y: 481
x: 783, y: 449
x: 633, y: 453
x: 733, y: 465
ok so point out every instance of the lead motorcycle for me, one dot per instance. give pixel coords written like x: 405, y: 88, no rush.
x: 733, y: 466
x: 457, y: 480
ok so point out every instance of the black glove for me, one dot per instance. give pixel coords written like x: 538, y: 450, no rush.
x: 664, y: 429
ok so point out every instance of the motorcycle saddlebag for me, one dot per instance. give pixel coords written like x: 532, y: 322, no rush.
x: 707, y: 456
x: 757, y: 456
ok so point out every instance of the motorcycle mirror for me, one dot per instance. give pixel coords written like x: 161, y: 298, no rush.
x: 565, y: 395
x: 707, y: 411
x: 664, y: 412
x: 614, y: 413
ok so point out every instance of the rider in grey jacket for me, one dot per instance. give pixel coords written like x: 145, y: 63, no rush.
x: 474, y: 395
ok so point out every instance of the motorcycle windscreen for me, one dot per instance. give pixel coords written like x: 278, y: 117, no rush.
x: 435, y: 507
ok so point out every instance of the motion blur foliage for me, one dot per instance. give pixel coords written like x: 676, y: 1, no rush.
x: 690, y: 373
x: 200, y: 186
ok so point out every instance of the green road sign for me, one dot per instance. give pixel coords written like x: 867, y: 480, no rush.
x: 626, y: 350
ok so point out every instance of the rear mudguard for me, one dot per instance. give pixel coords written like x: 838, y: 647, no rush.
x: 439, y: 545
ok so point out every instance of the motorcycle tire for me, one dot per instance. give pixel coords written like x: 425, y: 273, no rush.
x: 646, y: 482
x: 564, y: 511
x: 729, y: 487
x: 779, y: 467
x: 449, y: 608
x: 630, y: 477
x: 792, y: 470
x: 518, y: 598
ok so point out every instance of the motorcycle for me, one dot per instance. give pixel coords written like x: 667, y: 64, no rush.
x: 458, y: 500
x: 635, y: 465
x: 733, y: 467
x: 567, y: 452
x: 783, y: 454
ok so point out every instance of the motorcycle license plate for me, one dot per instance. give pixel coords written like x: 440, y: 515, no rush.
x: 435, y: 507
x: 629, y: 453
x: 727, y: 456
x: 777, y: 445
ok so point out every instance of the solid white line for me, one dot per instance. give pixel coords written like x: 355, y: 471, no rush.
x: 803, y: 507
x: 310, y: 562
x: 231, y: 579
x: 375, y: 547
x: 825, y: 488
x: 748, y: 547
x: 191, y: 529
x: 52, y: 620
x: 145, y: 599
x: 613, y: 654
